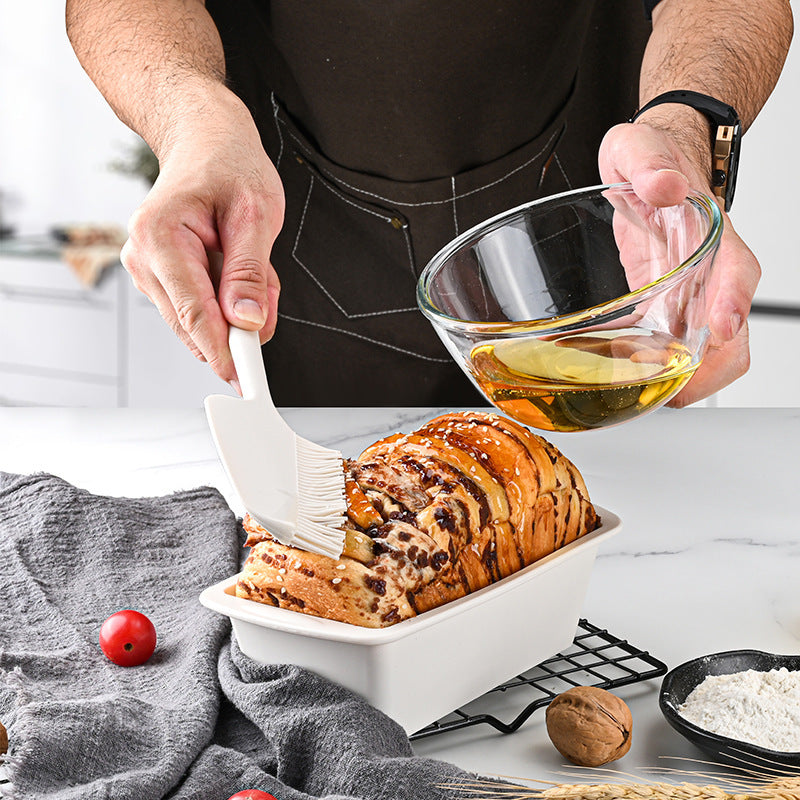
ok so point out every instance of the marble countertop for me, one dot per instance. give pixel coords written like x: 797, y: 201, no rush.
x: 707, y: 559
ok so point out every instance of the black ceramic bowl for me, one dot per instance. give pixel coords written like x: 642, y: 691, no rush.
x: 679, y: 683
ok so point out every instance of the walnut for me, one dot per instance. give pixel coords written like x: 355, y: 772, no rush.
x: 3, y: 740
x: 589, y: 726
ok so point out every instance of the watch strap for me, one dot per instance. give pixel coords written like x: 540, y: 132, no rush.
x: 725, y: 135
x: 718, y: 112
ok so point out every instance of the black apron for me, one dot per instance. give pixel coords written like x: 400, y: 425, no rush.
x: 380, y: 175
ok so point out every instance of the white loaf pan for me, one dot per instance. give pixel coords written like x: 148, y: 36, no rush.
x: 418, y: 670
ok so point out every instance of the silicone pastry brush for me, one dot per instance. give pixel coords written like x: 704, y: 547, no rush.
x: 292, y: 487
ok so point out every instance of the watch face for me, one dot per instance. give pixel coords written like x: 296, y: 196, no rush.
x: 733, y: 167
x: 725, y: 163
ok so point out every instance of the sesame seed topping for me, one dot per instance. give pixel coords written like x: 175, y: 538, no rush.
x: 336, y: 580
x: 341, y: 566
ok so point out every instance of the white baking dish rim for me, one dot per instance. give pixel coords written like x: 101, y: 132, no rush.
x: 216, y: 598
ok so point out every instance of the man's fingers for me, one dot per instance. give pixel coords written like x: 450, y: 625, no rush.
x: 172, y: 265
x: 663, y: 167
x: 722, y: 365
x: 147, y: 283
x: 661, y: 174
x: 188, y: 286
x: 158, y: 297
x: 173, y: 272
x: 733, y: 283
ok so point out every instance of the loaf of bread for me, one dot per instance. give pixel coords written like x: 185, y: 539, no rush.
x: 464, y: 501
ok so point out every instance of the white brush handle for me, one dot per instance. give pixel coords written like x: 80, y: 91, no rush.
x: 246, y: 351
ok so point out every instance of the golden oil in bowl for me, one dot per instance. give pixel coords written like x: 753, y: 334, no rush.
x: 581, y: 381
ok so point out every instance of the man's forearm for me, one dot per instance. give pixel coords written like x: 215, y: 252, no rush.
x: 153, y: 60
x: 733, y: 50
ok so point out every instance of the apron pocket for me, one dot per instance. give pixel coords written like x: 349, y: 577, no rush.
x: 358, y: 254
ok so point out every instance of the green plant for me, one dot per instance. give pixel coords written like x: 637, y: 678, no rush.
x: 138, y: 160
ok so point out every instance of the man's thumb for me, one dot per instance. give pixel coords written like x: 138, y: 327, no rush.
x: 660, y: 185
x: 249, y: 311
x: 243, y: 293
x: 644, y: 156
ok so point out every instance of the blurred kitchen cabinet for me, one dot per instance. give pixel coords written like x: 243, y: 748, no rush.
x: 59, y: 340
x: 773, y: 379
x: 765, y: 216
x: 161, y: 371
x: 66, y: 344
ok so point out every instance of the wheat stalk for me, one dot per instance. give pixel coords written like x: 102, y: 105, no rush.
x: 763, y: 787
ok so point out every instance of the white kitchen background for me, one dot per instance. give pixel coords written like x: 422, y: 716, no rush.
x: 63, y: 343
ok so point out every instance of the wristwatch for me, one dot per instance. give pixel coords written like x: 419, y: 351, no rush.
x: 726, y: 137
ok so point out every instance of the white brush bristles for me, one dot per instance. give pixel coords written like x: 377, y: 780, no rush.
x: 321, y: 503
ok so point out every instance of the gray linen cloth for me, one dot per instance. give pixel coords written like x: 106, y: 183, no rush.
x: 199, y: 719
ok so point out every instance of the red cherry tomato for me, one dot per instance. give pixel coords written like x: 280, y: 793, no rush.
x: 252, y: 794
x: 128, y: 638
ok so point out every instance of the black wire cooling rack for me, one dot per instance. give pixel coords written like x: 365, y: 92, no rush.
x: 595, y: 658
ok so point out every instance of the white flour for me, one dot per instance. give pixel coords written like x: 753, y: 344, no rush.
x: 762, y: 708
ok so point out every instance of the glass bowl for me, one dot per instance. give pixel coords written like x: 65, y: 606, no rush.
x: 577, y: 311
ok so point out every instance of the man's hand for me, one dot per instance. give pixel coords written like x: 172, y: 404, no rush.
x: 733, y: 51
x: 161, y: 66
x: 217, y: 192
x: 662, y: 170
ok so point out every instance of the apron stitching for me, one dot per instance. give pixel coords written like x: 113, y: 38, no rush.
x: 365, y: 338
x: 390, y: 220
x: 558, y: 233
x: 563, y: 171
x: 382, y: 313
x: 455, y: 215
x: 332, y: 177
x: 314, y: 277
x: 410, y: 252
x: 356, y: 205
x: 482, y: 287
x: 277, y: 125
